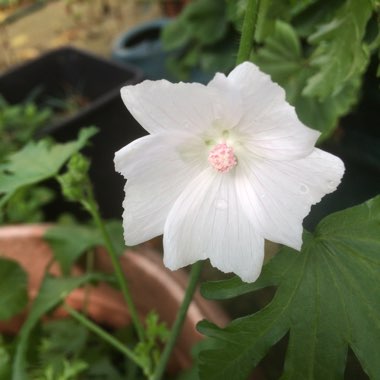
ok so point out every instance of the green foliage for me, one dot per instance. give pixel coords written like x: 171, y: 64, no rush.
x: 75, y: 183
x: 25, y: 206
x: 18, y: 124
x: 52, y: 292
x: 148, y: 351
x: 284, y: 60
x: 69, y: 370
x: 340, y: 55
x: 317, y: 50
x: 69, y: 242
x: 5, y: 361
x: 327, y: 299
x: 67, y: 346
x: 37, y: 162
x: 201, y: 37
x: 13, y: 285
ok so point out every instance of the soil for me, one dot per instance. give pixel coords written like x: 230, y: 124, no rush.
x: 88, y: 24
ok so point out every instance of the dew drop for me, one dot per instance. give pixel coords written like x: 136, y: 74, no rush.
x: 221, y: 204
x: 304, y: 189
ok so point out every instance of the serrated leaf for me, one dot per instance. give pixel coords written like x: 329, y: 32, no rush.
x: 36, y: 162
x: 327, y: 298
x: 53, y: 291
x: 70, y: 242
x: 282, y: 58
x: 13, y: 285
x: 340, y: 54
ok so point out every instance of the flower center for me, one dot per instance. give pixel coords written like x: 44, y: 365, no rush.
x: 222, y: 158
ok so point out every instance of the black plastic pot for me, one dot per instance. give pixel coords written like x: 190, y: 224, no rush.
x: 99, y: 82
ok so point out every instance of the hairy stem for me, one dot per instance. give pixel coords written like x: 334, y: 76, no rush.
x: 248, y: 31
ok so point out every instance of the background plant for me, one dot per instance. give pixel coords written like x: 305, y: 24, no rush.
x: 317, y: 51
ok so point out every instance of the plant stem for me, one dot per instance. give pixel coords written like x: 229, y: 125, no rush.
x: 102, y: 334
x: 248, y: 31
x: 91, y: 206
x: 178, y: 323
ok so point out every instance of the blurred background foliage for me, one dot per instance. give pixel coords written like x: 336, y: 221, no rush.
x: 317, y: 50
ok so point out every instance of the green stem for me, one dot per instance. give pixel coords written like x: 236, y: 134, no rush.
x: 87, y: 289
x: 248, y: 31
x: 102, y: 334
x: 178, y: 323
x: 92, y: 208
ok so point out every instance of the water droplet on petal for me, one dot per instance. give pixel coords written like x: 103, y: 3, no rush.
x: 186, y: 125
x: 304, y: 189
x: 221, y: 204
x: 262, y: 195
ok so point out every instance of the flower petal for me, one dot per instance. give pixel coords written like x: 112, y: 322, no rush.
x: 158, y: 168
x: 229, y: 96
x: 161, y: 106
x: 270, y: 123
x: 207, y: 221
x: 278, y: 195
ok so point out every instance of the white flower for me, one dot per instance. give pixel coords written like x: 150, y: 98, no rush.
x: 225, y: 166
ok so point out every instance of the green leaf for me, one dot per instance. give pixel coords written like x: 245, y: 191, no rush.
x: 70, y: 242
x: 283, y: 59
x: 13, y: 285
x: 327, y: 298
x: 207, y: 20
x: 36, y: 162
x: 5, y: 361
x: 341, y: 54
x: 175, y: 34
x: 53, y: 291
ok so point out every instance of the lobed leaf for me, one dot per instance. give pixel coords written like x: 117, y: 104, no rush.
x: 36, y: 162
x: 341, y: 54
x: 70, y: 242
x: 327, y: 299
x: 282, y: 58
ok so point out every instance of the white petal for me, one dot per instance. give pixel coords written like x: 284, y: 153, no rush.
x: 278, y: 195
x: 163, y: 106
x: 158, y: 168
x: 230, y: 96
x: 270, y: 123
x: 207, y: 221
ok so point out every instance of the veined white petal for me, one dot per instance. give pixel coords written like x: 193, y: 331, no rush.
x: 230, y: 116
x: 207, y: 221
x: 278, y: 195
x: 158, y: 168
x: 270, y: 124
x: 161, y: 106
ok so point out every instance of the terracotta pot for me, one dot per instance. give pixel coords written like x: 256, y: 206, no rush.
x: 152, y: 285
